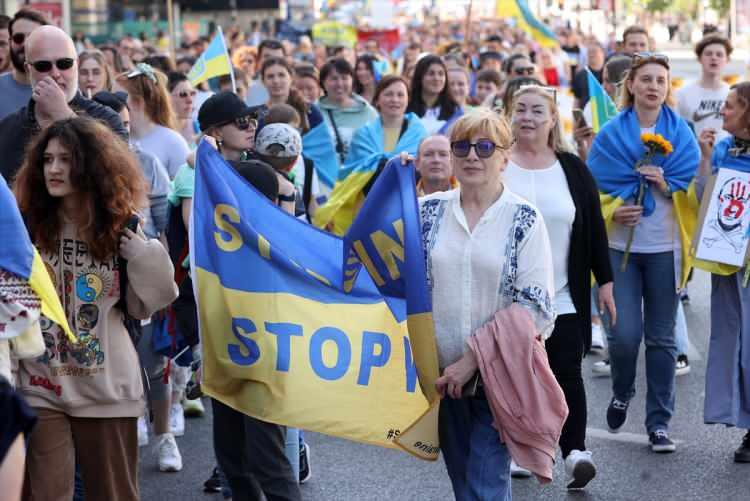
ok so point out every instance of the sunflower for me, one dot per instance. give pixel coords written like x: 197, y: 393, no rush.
x: 656, y: 143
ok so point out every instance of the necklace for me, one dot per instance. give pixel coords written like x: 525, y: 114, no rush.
x: 741, y: 147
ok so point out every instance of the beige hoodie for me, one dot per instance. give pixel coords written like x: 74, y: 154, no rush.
x: 100, y: 376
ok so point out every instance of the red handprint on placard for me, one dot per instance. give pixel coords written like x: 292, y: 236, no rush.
x: 733, y: 199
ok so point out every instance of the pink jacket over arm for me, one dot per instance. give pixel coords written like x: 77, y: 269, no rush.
x: 527, y: 404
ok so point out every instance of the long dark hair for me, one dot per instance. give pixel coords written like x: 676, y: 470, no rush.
x: 369, y: 61
x: 416, y: 104
x: 106, y: 176
x: 295, y: 99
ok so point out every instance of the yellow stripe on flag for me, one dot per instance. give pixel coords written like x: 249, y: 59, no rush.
x: 41, y: 283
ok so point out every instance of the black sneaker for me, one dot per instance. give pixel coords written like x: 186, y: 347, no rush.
x: 742, y: 455
x: 213, y: 484
x: 304, y: 464
x: 617, y: 412
x: 660, y: 442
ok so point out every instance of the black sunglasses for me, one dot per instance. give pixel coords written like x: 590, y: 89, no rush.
x: 19, y: 38
x: 527, y: 71
x: 243, y: 123
x: 185, y: 94
x: 62, y: 64
x: 484, y: 148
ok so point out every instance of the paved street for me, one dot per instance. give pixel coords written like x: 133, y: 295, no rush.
x: 701, y: 469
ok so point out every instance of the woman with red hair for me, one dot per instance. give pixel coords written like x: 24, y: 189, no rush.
x: 79, y: 191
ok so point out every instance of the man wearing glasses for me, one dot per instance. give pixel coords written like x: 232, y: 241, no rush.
x: 52, y: 69
x: 14, y: 85
x: 519, y: 65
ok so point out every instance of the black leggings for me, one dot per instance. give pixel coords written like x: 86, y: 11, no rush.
x: 250, y: 452
x: 565, y: 353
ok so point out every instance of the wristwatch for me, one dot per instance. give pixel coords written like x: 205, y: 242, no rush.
x: 287, y: 198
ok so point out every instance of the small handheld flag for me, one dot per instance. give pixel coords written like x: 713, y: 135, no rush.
x: 19, y: 256
x: 602, y: 106
x: 519, y: 9
x: 213, y: 62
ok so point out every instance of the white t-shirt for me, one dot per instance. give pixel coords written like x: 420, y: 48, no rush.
x: 653, y: 234
x: 430, y: 120
x: 700, y: 107
x: 166, y: 145
x: 547, y: 189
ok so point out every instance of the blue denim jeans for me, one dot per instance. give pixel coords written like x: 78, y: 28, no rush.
x: 478, y: 463
x: 646, y: 303
x: 681, y: 330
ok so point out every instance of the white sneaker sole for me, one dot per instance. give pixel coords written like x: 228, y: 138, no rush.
x: 663, y: 448
x: 682, y: 372
x: 583, y: 473
x: 169, y: 468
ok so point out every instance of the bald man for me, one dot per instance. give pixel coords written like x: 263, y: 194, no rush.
x: 433, y: 163
x: 52, y: 66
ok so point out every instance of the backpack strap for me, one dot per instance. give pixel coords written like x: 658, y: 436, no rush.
x: 339, y: 142
x: 307, y: 186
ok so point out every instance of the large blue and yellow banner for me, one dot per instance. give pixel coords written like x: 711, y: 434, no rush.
x: 303, y: 328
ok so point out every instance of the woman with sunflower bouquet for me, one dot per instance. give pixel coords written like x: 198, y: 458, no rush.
x: 643, y: 161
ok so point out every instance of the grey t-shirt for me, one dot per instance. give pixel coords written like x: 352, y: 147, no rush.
x: 653, y: 234
x: 155, y: 217
x: 167, y: 145
x: 14, y: 95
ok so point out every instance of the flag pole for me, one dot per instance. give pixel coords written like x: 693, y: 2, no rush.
x: 229, y: 59
x: 468, y: 24
x: 170, y: 22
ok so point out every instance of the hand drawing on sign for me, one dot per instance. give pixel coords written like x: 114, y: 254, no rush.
x: 726, y: 227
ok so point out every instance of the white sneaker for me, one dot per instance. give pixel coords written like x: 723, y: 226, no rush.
x: 602, y: 368
x: 518, y: 472
x: 142, y: 432
x: 176, y: 420
x: 597, y: 337
x: 193, y: 408
x: 169, y: 454
x: 580, y: 469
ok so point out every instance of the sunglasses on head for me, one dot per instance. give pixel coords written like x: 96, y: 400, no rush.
x: 525, y: 88
x: 641, y: 58
x: 244, y: 123
x: 185, y: 94
x: 484, y: 148
x: 62, y: 64
x: 527, y: 71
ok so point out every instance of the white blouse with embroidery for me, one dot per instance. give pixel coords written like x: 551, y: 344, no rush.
x: 472, y: 275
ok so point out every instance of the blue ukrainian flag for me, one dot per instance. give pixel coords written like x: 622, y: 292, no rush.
x: 302, y: 328
x: 213, y: 62
x: 616, y: 150
x: 366, y: 152
x: 20, y: 257
x: 519, y: 9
